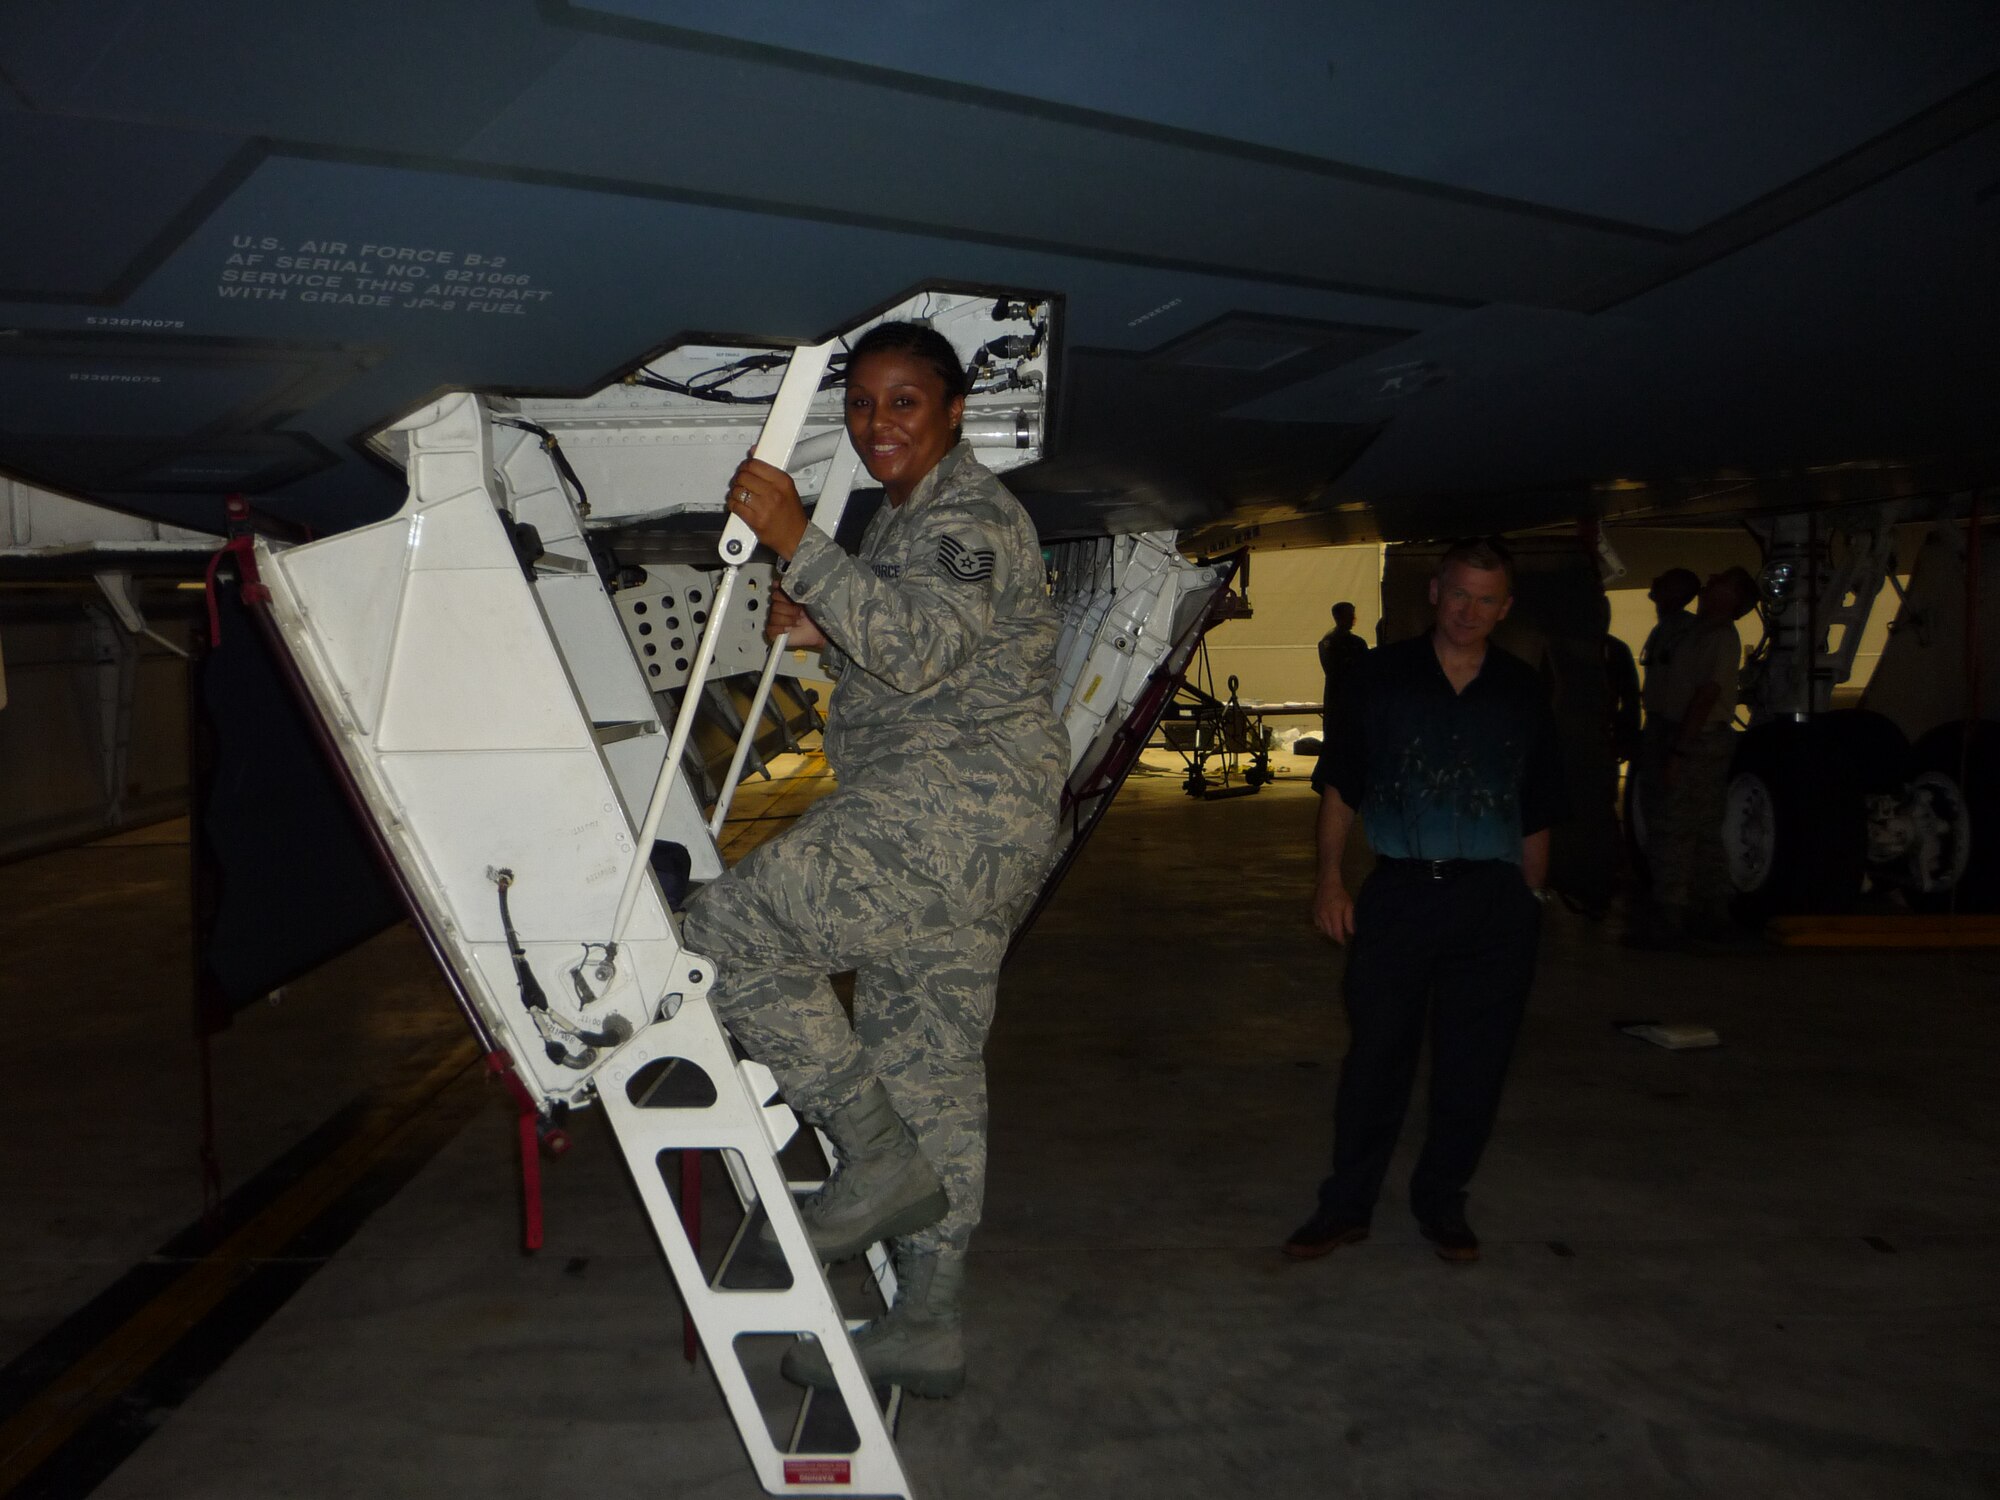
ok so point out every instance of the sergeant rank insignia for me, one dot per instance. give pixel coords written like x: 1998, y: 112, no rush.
x: 966, y: 564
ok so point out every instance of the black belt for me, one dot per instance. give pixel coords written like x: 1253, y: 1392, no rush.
x: 1436, y: 869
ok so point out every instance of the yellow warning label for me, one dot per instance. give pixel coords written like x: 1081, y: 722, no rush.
x: 1091, y: 691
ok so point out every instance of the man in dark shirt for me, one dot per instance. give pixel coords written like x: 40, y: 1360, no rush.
x: 1341, y: 651
x: 1446, y: 746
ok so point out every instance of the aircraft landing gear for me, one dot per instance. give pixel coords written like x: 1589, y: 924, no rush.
x: 1823, y: 812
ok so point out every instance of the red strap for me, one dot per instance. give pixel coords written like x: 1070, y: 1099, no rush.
x: 531, y: 1182
x: 529, y: 1121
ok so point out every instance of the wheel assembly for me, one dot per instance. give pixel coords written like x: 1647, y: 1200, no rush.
x: 1795, y: 825
x: 1922, y: 839
x: 1750, y: 831
x: 1951, y: 821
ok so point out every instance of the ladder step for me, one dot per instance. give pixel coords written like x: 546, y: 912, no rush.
x: 824, y: 1427
x: 731, y: 1311
x: 754, y: 1261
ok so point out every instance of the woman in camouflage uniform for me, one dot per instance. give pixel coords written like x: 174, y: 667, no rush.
x: 950, y: 762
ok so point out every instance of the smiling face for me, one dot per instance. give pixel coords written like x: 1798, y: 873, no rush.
x: 1470, y: 602
x: 899, y: 420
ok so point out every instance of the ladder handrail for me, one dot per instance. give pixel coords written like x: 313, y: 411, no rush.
x: 827, y: 516
x: 780, y: 435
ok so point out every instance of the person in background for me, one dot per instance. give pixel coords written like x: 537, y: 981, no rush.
x: 1446, y: 747
x: 1621, y: 727
x: 1697, y: 711
x: 1621, y: 684
x: 1624, y: 712
x: 1672, y: 592
x: 1341, y: 652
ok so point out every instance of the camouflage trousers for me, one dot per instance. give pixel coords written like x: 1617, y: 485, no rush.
x: 1647, y: 770
x: 1684, y: 846
x: 922, y: 925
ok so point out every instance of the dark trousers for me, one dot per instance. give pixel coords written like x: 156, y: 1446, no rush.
x: 1458, y: 954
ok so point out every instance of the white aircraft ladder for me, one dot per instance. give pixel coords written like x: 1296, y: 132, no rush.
x: 834, y: 1447
x: 501, y: 742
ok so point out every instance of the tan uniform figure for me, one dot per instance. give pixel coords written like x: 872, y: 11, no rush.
x: 913, y: 873
x: 1690, y: 875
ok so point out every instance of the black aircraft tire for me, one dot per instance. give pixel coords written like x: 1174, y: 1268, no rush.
x: 1876, y: 751
x: 1795, y: 830
x: 1945, y: 750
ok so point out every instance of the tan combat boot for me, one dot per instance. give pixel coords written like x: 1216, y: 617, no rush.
x: 881, y: 1186
x: 919, y: 1345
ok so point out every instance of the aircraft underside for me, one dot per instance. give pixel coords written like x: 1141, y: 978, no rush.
x: 1324, y: 276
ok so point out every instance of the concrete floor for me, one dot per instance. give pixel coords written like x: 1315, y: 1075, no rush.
x: 1763, y: 1270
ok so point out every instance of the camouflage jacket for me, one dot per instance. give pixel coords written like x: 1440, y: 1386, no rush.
x: 944, y: 644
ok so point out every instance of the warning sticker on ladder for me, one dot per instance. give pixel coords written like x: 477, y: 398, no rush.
x: 818, y: 1471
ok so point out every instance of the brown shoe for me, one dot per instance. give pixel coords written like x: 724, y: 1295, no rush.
x: 1321, y: 1235
x: 1455, y: 1243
